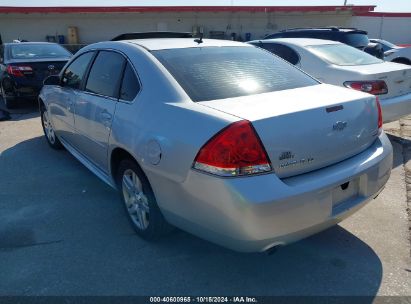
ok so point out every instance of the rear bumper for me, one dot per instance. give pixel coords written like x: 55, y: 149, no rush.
x: 255, y: 213
x: 23, y: 87
x: 27, y: 92
x: 396, y: 107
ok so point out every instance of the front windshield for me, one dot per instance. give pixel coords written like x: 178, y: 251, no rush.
x: 342, y: 54
x: 35, y: 51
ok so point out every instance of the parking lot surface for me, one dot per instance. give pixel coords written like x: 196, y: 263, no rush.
x: 64, y: 232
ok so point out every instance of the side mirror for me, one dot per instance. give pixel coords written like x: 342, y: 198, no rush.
x: 52, y: 80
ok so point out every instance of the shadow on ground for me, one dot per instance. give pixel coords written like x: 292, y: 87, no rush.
x: 401, y: 140
x: 64, y: 232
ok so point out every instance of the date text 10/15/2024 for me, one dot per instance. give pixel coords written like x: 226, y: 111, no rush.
x: 203, y: 300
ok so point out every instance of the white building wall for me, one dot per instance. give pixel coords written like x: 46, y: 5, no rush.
x: 394, y: 29
x: 98, y: 27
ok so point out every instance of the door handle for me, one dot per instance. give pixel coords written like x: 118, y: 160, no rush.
x: 105, y: 116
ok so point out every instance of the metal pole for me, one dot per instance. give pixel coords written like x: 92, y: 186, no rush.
x: 345, y: 2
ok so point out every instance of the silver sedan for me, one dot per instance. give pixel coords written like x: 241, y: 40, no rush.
x: 219, y: 138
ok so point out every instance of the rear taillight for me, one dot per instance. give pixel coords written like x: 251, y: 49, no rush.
x: 19, y: 70
x: 379, y: 112
x: 375, y: 87
x: 234, y: 151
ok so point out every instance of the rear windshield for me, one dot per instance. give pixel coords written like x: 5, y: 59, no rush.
x: 341, y: 54
x: 210, y: 73
x: 389, y: 44
x: 33, y: 51
x: 356, y: 40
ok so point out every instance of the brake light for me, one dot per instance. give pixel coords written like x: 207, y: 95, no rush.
x: 379, y: 112
x: 19, y: 70
x: 375, y: 87
x: 234, y: 151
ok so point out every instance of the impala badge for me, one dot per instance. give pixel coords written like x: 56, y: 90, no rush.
x: 294, y: 163
x: 51, y: 67
x: 339, y: 125
x: 286, y: 155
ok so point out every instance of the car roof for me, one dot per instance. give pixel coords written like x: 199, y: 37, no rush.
x: 25, y: 43
x: 179, y: 43
x: 299, y: 41
x: 333, y: 29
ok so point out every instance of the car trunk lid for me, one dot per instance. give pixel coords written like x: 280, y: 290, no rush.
x: 307, y: 128
x: 40, y: 68
x: 396, y: 76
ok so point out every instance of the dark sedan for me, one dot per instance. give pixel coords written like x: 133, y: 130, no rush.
x: 24, y: 66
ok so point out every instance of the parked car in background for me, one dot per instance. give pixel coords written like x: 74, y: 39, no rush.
x: 339, y: 64
x: 217, y: 137
x: 350, y: 36
x: 24, y: 66
x: 394, y: 53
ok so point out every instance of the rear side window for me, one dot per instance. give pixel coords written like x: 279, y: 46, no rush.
x: 105, y: 74
x: 130, y: 85
x: 210, y: 73
x: 282, y: 51
x: 74, y: 74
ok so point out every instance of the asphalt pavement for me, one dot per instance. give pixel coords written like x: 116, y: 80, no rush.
x: 64, y: 232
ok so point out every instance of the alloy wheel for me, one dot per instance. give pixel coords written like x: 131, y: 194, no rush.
x: 48, y: 128
x: 135, y: 199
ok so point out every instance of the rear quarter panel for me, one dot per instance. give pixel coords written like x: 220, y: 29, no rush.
x: 162, y: 115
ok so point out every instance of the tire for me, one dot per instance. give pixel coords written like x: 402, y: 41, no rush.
x: 48, y: 130
x: 402, y: 60
x: 139, y: 202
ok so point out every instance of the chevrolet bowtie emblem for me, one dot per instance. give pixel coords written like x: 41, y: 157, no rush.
x: 339, y: 125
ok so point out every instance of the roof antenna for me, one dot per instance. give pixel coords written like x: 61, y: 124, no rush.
x: 199, y: 40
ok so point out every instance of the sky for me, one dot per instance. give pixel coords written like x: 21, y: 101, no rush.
x: 382, y: 5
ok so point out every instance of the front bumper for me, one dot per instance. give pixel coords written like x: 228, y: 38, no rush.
x: 256, y: 213
x: 396, y: 107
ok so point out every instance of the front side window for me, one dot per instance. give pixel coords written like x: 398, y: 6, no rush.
x: 74, y: 74
x: 341, y: 54
x: 105, y: 74
x: 208, y: 73
x: 130, y: 85
x: 38, y: 51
